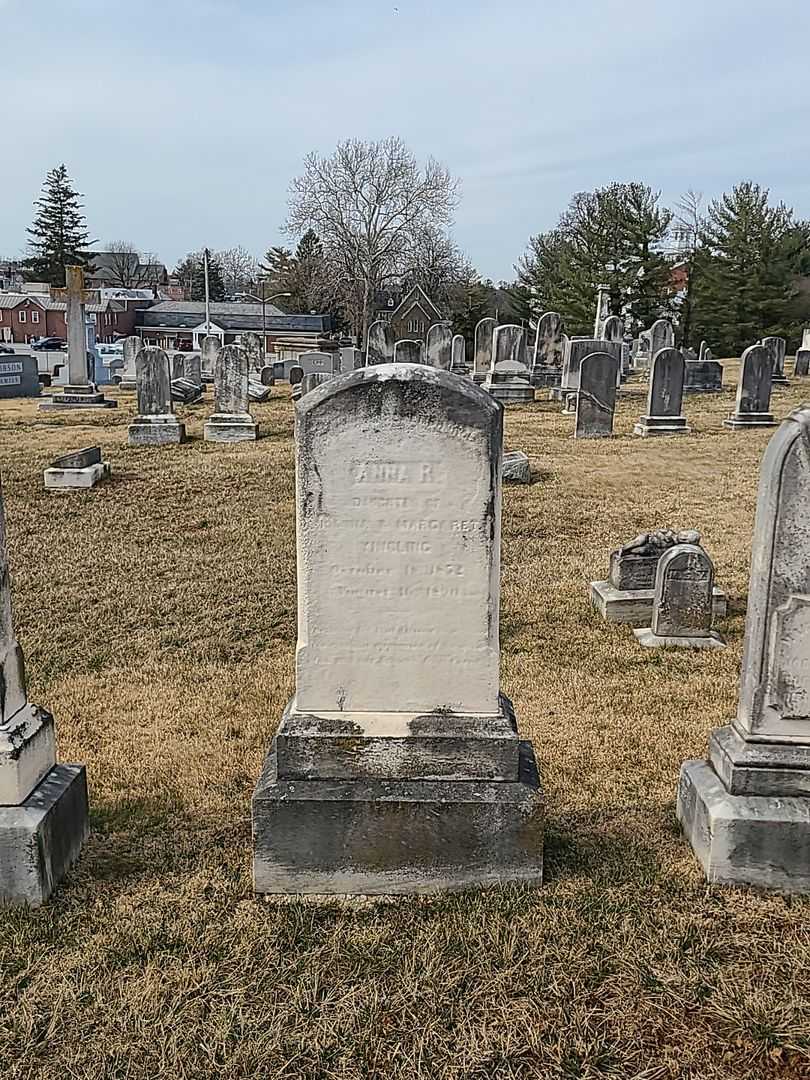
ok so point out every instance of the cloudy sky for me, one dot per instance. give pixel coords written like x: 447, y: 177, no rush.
x: 182, y: 121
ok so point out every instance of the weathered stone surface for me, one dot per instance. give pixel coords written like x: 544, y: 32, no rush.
x: 549, y: 345
x: 75, y: 479
x: 155, y: 424
x: 192, y: 368
x: 78, y: 459
x: 186, y: 391
x: 634, y: 607
x: 516, y: 468
x: 41, y: 838
x: 350, y: 359
x: 209, y: 351
x: 381, y: 775
x: 296, y: 375
x: 596, y: 400
x: 380, y: 344
x: 776, y: 348
x: 635, y: 564
x: 806, y: 337
x: 251, y: 343
x: 231, y: 421
x: 753, y: 391
x: 482, y: 357
x: 747, y: 812
x: 602, y: 310
x: 576, y: 349
x: 682, y: 605
x: 408, y: 352
x: 19, y: 376
x: 258, y: 391
x: 79, y: 392
x: 266, y: 377
x: 316, y: 363
x: 665, y: 396
x: 508, y: 378
x: 662, y: 336
x: 439, y: 346
x: 313, y: 379
x: 802, y: 366
x: 458, y: 361
x: 703, y: 376
x: 178, y: 365
x: 613, y: 329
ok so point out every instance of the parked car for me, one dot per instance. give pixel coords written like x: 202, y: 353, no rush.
x: 51, y: 344
x: 7, y: 350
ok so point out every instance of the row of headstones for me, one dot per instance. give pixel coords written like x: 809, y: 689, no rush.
x: 402, y: 546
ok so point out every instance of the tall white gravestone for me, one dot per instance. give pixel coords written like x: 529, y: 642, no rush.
x: 509, y: 375
x: 482, y: 356
x: 43, y: 806
x: 231, y: 420
x: 746, y: 812
x: 397, y: 766
x: 156, y: 423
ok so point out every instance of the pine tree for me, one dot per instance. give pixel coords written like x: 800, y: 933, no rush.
x: 58, y: 234
x: 745, y: 289
x: 191, y: 273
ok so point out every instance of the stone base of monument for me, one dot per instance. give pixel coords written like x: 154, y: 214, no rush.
x: 479, y: 377
x: 229, y: 428
x: 76, y: 479
x: 41, y: 838
x: 385, y: 803
x: 780, y: 380
x: 634, y: 607
x: 646, y: 637
x: 550, y: 378
x: 516, y: 469
x: 27, y: 753
x: 661, y: 425
x: 79, y: 397
x: 510, y: 391
x: 156, y: 431
x: 746, y: 813
x: 750, y: 420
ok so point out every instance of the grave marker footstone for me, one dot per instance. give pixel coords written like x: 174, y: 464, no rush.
x: 408, y: 352
x: 397, y: 767
x: 746, y: 811
x: 155, y: 424
x: 80, y: 470
x: 596, y: 400
x: 665, y: 396
x: 753, y: 391
x: 439, y: 346
x: 380, y: 343
x: 776, y: 347
x: 683, y: 602
x: 482, y: 356
x: 43, y: 806
x: 231, y: 420
x: 508, y: 378
x: 549, y: 345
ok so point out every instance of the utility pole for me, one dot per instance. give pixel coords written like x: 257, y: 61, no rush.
x: 207, y: 293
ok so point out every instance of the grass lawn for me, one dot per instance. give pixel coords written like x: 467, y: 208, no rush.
x: 157, y: 616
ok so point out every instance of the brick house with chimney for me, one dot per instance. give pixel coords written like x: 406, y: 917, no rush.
x: 24, y: 317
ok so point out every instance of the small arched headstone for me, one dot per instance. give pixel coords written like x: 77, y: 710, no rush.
x: 683, y: 600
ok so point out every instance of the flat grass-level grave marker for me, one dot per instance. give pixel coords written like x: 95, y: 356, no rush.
x: 397, y: 767
x: 231, y: 420
x: 665, y: 396
x: 682, y: 605
x: 746, y: 811
x: 596, y: 400
x: 156, y: 423
x: 753, y: 391
x: 43, y: 806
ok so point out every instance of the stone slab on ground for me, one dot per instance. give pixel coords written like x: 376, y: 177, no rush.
x: 78, y: 397
x: 634, y: 606
x: 516, y: 468
x: 75, y: 479
x: 41, y: 839
x: 156, y: 431
x: 744, y: 839
x: 646, y: 637
x: 382, y: 837
x: 230, y: 429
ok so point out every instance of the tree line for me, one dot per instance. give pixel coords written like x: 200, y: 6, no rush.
x: 370, y: 218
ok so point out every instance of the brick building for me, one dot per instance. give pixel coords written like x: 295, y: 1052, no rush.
x: 411, y: 315
x: 24, y: 317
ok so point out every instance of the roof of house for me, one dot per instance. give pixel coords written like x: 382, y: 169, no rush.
x: 416, y: 294
x: 188, y: 314
x: 13, y: 300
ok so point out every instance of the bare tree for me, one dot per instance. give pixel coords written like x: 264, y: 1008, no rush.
x: 127, y: 267
x: 239, y: 269
x: 368, y: 203
x: 688, y: 224
x: 437, y: 264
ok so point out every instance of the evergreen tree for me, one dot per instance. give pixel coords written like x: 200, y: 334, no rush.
x: 746, y: 273
x: 58, y: 234
x: 191, y: 273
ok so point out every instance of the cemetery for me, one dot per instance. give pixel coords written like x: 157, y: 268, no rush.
x: 302, y: 728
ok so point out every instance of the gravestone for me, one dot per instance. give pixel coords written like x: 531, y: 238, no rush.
x: 192, y: 369
x: 19, y: 376
x: 79, y: 392
x: 482, y: 355
x: 602, y: 311
x: 746, y: 811
x: 516, y: 468
x: 508, y: 378
x: 258, y: 391
x: 313, y: 379
x: 81, y: 469
x: 683, y: 602
x: 703, y: 376
x: 266, y: 377
x: 439, y: 346
x: 613, y: 329
x: 627, y: 594
x: 178, y: 365
x: 458, y: 361
x: 665, y: 396
x: 802, y: 366
x: 596, y: 400
x: 776, y: 347
x: 350, y: 359
x: 126, y: 377
x: 316, y: 362
x: 209, y: 351
x: 252, y: 344
x: 231, y: 420
x: 397, y: 767
x: 186, y: 391
x: 380, y: 343
x: 155, y: 424
x: 549, y: 344
x: 662, y: 336
x: 576, y: 349
x: 753, y: 391
x: 43, y: 806
x: 641, y: 352
x: 806, y: 338
x: 408, y: 352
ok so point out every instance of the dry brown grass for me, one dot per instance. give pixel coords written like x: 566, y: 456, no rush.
x: 158, y: 619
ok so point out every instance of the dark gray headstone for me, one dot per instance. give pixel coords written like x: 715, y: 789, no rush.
x: 596, y: 400
x: 703, y: 375
x: 153, y: 382
x: 802, y: 363
x: 408, y: 352
x: 296, y: 375
x: 665, y: 396
x: 633, y: 566
x: 19, y: 376
x: 776, y: 347
x: 684, y: 586
x: 79, y: 459
x: 266, y: 376
x: 753, y: 390
x: 380, y: 344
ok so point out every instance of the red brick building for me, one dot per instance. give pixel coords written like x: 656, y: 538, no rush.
x: 24, y: 317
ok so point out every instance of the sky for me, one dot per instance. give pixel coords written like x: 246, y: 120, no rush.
x: 182, y: 122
